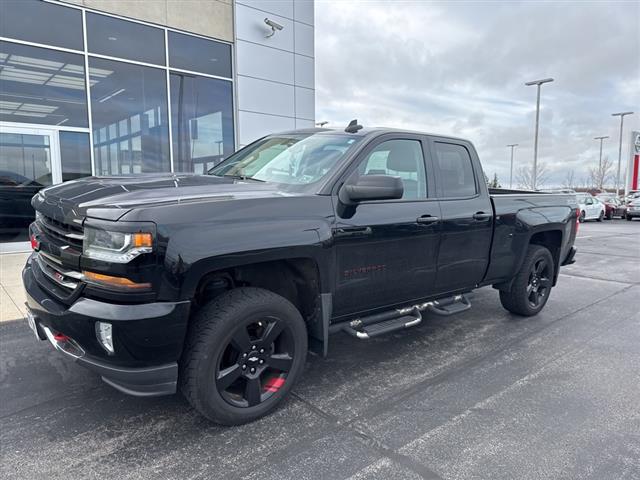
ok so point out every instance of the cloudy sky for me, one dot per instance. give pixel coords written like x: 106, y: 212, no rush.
x: 459, y: 68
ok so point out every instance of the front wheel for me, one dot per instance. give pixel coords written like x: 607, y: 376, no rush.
x: 532, y: 285
x: 628, y: 217
x: 601, y: 216
x: 245, y: 349
x: 610, y: 216
x: 583, y: 215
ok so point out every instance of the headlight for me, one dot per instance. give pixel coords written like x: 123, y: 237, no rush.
x: 117, y: 247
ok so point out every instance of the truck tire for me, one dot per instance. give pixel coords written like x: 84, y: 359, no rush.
x: 532, y: 285
x: 244, y: 351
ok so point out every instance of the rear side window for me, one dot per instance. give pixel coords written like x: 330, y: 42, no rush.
x: 456, y: 170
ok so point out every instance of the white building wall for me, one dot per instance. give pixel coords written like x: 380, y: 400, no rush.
x: 275, y: 75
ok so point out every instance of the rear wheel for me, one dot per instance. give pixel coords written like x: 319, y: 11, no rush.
x: 532, y: 285
x: 245, y: 350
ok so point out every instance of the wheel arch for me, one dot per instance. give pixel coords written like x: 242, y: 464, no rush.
x: 298, y: 279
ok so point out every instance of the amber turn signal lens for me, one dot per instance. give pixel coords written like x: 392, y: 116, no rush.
x: 141, y: 240
x: 120, y: 283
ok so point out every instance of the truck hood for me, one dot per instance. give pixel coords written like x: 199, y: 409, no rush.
x: 110, y: 198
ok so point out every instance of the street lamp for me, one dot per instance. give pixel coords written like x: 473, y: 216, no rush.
x: 513, y: 145
x: 600, y: 173
x: 621, y: 115
x: 535, y: 144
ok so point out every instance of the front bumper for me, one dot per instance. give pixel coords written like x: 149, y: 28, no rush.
x: 633, y: 213
x: 148, y: 338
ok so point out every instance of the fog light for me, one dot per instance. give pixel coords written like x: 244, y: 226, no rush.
x: 104, y: 332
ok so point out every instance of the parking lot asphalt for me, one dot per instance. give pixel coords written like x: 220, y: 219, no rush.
x: 484, y: 394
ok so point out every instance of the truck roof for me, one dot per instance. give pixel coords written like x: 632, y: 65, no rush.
x: 366, y: 132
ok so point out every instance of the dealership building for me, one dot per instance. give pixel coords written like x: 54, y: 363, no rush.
x: 112, y: 87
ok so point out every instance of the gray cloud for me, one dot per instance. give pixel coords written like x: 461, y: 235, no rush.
x: 459, y: 68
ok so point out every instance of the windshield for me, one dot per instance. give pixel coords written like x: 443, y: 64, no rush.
x: 298, y: 159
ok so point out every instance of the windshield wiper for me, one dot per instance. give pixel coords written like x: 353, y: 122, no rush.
x: 242, y: 177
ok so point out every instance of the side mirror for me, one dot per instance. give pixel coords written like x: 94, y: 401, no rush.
x: 372, y: 187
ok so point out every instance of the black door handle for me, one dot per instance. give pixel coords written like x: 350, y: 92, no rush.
x: 427, y: 219
x: 481, y: 216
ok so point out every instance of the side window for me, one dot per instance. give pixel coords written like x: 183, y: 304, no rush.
x: 456, y: 170
x: 398, y: 158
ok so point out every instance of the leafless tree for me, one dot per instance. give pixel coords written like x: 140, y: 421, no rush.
x: 601, y: 174
x: 570, y: 179
x: 524, y: 176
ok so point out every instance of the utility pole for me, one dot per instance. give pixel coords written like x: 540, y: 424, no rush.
x: 513, y: 145
x: 534, y: 175
x: 621, y: 115
x: 600, y: 173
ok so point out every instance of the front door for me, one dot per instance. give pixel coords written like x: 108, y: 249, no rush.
x: 28, y: 162
x: 386, y: 251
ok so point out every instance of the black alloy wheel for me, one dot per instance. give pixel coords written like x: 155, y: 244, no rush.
x: 539, y: 282
x: 244, y: 351
x: 532, y: 285
x: 255, y: 364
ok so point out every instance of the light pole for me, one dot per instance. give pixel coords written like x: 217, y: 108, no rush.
x: 513, y: 145
x: 600, y: 173
x: 621, y: 115
x: 535, y: 142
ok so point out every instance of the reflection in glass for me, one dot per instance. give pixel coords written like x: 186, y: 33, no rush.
x: 25, y: 167
x: 41, y: 22
x: 75, y: 155
x: 199, y: 55
x: 202, y: 122
x: 119, y: 38
x: 129, y: 114
x: 38, y: 85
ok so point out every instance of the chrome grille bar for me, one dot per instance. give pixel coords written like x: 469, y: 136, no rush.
x: 56, y: 273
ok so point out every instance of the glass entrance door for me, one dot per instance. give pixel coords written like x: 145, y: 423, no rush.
x: 29, y: 161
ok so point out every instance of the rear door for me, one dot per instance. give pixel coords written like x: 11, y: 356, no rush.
x: 386, y: 251
x: 467, y: 215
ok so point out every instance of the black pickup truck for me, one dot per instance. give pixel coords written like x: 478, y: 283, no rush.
x: 218, y: 284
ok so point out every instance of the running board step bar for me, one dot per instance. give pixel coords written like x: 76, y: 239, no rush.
x: 450, y: 306
x: 381, y: 327
x: 387, y: 322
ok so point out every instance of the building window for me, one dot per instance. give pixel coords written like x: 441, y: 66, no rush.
x: 43, y: 86
x: 120, y: 38
x: 129, y: 118
x: 40, y: 22
x: 199, y: 55
x: 75, y: 155
x: 202, y: 122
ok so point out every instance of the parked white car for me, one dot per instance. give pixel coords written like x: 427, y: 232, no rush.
x: 591, y: 208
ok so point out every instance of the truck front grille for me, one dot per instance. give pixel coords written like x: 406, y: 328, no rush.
x: 72, y: 235
x: 68, y: 280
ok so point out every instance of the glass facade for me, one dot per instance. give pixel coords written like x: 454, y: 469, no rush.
x: 129, y: 118
x: 202, y: 122
x: 114, y: 97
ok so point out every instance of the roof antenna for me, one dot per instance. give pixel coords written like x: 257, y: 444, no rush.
x: 353, y: 127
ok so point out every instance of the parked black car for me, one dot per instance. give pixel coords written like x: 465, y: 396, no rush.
x: 216, y: 284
